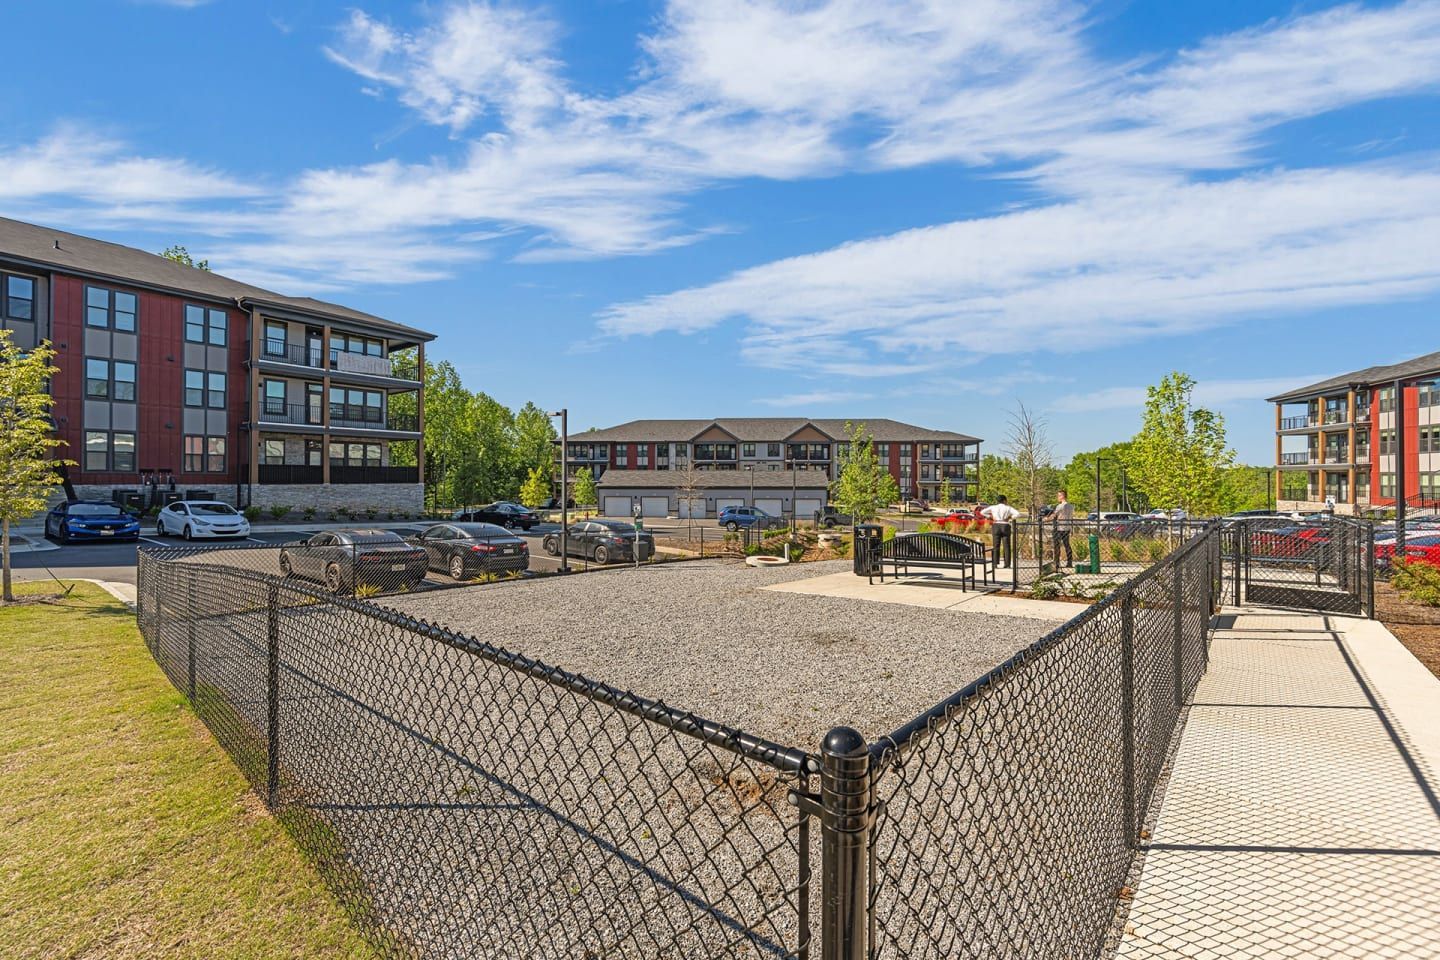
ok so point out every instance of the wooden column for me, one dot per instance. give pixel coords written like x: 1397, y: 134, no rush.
x: 325, y: 404
x: 1350, y: 445
x: 420, y: 411
x: 257, y: 333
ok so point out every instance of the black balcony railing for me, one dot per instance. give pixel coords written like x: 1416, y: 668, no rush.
x: 1292, y: 459
x: 1336, y: 456
x: 290, y: 473
x: 1296, y: 423
x: 276, y: 411
x: 280, y: 351
x: 1336, y: 416
x: 370, y: 418
x: 350, y: 474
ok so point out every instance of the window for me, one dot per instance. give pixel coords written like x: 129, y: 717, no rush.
x: 109, y: 451
x: 19, y: 298
x: 1387, y: 442
x: 1429, y: 393
x: 1387, y: 402
x: 214, y: 454
x: 97, y: 379
x: 272, y: 451
x: 1430, y: 486
x: 772, y: 449
x: 194, y: 454
x: 1387, y: 485
x: 747, y: 450
x: 206, y: 325
x: 124, y: 380
x: 215, y: 392
x: 312, y: 452
x: 642, y: 455
x: 194, y: 388
x: 882, y: 451
x: 275, y: 337
x: 952, y: 451
x: 682, y: 450
x: 111, y: 308
x: 622, y: 455
x: 314, y: 403
x: 275, y: 399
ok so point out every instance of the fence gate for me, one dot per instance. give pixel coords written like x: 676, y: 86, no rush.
x: 1326, y: 565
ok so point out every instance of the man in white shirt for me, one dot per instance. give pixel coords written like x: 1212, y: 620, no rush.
x: 1063, y: 516
x: 1001, y: 515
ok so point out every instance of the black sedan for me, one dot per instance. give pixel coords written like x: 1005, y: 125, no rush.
x: 90, y: 520
x: 464, y: 550
x: 602, y: 541
x: 502, y: 513
x: 346, y: 560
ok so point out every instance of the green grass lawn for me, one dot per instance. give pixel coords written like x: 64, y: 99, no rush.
x: 125, y: 831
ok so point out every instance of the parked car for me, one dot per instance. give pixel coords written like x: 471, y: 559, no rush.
x: 554, y: 503
x: 1425, y: 548
x: 501, y: 513
x: 90, y: 520
x: 343, y: 559
x: 733, y: 518
x: 602, y: 541
x: 914, y: 506
x: 830, y: 517
x: 1113, y: 516
x: 957, y: 518
x: 466, y: 549
x: 193, y: 519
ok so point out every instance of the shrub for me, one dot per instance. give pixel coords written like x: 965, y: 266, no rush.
x: 252, y: 513
x: 309, y: 511
x: 371, y: 513
x: 279, y: 510
x: 363, y: 590
x: 1417, y: 581
x: 1157, y: 551
x: 343, y: 512
x: 1117, y: 551
x: 1046, y: 589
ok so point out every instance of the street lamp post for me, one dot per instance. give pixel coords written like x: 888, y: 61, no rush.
x: 751, y: 470
x: 564, y: 415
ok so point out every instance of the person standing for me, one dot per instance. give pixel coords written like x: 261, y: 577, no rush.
x: 1063, y: 516
x: 1001, y: 515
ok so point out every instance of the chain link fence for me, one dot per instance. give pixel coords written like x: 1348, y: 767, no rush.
x: 464, y: 800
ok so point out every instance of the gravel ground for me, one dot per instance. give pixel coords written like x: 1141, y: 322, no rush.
x: 703, y: 636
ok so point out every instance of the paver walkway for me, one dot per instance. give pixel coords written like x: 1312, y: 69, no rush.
x: 1301, y: 818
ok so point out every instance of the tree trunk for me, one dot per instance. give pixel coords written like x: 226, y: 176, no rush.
x: 6, y: 594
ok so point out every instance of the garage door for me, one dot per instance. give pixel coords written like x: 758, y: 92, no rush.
x: 722, y: 502
x: 617, y: 507
x: 806, y: 509
x: 773, y: 506
x: 655, y: 506
x: 697, y: 505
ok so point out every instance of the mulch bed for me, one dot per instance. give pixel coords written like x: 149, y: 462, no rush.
x: 1417, y: 626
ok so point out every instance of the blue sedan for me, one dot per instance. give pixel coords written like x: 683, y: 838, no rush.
x: 90, y: 520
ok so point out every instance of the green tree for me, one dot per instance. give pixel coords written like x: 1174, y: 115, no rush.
x: 583, y: 488
x: 1027, y: 446
x: 180, y: 255
x: 998, y: 475
x: 947, y: 494
x: 536, y: 488
x: 863, y: 487
x: 27, y: 471
x: 1179, y: 456
x: 1116, y: 492
x: 535, y: 438
x: 1243, y: 487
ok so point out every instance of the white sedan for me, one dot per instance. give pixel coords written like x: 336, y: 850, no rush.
x: 193, y: 519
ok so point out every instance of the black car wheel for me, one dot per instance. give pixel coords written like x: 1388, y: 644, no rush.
x: 285, y: 566
x: 732, y: 526
x: 602, y: 555
x: 457, y: 567
x: 334, y: 580
x: 186, y: 533
x: 64, y: 532
x: 552, y: 546
x: 159, y: 528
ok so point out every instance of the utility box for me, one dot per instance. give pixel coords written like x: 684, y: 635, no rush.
x: 1093, y: 564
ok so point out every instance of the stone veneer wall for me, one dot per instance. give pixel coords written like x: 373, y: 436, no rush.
x: 385, y: 497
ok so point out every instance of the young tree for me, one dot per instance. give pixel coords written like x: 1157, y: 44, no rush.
x: 946, y: 493
x: 1179, y: 455
x: 536, y: 488
x: 180, y: 255
x: 1028, y: 447
x: 863, y: 487
x: 687, y: 485
x: 26, y: 438
x: 582, y: 488
x: 998, y: 476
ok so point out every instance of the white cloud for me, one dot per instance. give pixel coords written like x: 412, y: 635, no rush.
x: 813, y: 398
x: 1212, y: 393
x: 1080, y: 275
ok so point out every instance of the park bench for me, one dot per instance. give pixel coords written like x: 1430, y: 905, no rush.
x: 935, y: 550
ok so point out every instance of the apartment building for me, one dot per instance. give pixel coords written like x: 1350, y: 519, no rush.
x: 920, y: 459
x: 171, y: 376
x: 1346, y: 440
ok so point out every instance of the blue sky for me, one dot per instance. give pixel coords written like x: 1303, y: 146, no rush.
x: 919, y: 210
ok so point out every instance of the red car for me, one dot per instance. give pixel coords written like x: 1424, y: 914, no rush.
x: 959, y: 519
x: 1424, y: 548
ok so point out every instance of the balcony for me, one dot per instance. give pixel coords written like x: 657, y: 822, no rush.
x: 300, y: 414
x: 1297, y: 423
x: 344, y: 415
x: 346, y: 362
x: 278, y: 351
x: 1335, y: 416
x: 1337, y: 456
x: 290, y: 473
x: 1294, y: 459
x: 350, y: 474
x: 1362, y: 456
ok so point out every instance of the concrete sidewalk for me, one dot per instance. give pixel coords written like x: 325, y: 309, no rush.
x: 1301, y: 817
x: 937, y: 591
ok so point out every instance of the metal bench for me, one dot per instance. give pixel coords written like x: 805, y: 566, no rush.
x: 934, y: 550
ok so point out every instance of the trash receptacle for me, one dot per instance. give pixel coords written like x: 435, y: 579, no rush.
x: 168, y: 497
x: 869, y: 537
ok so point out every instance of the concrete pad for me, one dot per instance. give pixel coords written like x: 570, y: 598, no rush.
x: 932, y: 591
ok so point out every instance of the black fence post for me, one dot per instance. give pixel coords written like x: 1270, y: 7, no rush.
x: 272, y: 694
x: 1127, y: 719
x: 844, y: 844
x: 190, y: 635
x: 1370, y: 571
x: 1177, y: 580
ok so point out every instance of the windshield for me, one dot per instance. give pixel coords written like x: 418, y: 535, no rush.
x: 376, y: 536
x: 620, y: 528
x: 95, y: 510
x: 212, y: 509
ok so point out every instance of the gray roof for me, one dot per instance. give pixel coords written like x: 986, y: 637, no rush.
x: 1371, y: 376
x: 762, y: 429
x: 711, y: 479
x: 99, y: 258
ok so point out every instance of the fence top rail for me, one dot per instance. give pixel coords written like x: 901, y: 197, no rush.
x: 905, y: 738
x: 781, y: 757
